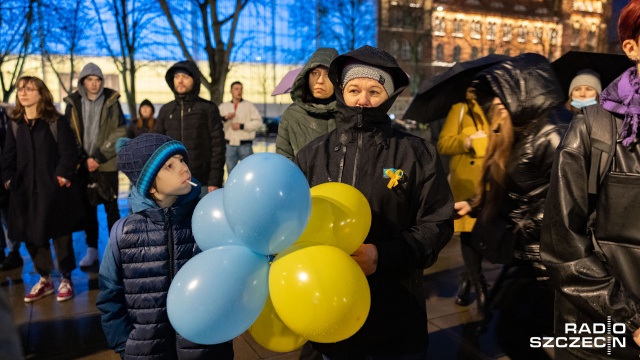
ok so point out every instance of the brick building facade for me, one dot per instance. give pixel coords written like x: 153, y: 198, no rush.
x: 428, y: 36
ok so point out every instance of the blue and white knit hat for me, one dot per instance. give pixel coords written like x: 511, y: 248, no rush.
x: 142, y: 157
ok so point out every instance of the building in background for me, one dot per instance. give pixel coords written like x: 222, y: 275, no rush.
x: 428, y: 36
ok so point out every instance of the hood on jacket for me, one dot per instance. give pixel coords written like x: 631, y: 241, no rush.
x: 526, y: 85
x: 139, y: 202
x: 88, y: 70
x: 300, y: 87
x: 191, y: 68
x: 372, y: 117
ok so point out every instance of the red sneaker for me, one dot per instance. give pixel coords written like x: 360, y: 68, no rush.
x: 43, y: 288
x: 65, y: 290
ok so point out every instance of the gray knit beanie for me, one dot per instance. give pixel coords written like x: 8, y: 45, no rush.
x: 361, y: 70
x: 586, y: 77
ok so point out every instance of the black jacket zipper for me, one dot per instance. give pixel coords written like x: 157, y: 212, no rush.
x: 167, y: 213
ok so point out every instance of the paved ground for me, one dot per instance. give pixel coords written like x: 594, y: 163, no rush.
x: 71, y: 330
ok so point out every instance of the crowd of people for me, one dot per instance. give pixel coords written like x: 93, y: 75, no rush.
x: 542, y: 181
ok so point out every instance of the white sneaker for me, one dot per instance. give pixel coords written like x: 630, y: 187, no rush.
x: 90, y: 258
x: 65, y: 290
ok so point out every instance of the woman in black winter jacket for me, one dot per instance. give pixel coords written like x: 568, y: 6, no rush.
x: 38, y: 165
x: 591, y: 236
x: 528, y: 120
x: 402, y: 178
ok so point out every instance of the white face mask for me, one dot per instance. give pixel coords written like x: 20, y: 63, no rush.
x: 578, y: 104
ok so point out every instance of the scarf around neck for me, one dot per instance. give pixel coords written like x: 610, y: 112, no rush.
x: 622, y: 97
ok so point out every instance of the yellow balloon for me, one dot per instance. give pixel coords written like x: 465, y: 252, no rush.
x: 272, y: 334
x: 340, y: 216
x: 320, y: 292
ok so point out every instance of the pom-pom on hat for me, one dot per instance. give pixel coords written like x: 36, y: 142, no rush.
x: 142, y: 158
x: 358, y: 69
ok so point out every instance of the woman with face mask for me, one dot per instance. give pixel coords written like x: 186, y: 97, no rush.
x: 584, y: 90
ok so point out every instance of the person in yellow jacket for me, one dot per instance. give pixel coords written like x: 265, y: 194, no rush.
x: 464, y: 138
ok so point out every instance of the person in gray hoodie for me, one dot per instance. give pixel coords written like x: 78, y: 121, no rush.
x: 97, y: 121
x: 313, y: 112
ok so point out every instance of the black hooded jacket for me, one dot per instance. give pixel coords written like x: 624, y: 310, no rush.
x: 411, y: 222
x: 591, y: 242
x: 197, y: 124
x: 527, y: 87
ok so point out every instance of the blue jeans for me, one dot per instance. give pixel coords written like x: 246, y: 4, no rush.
x: 237, y: 153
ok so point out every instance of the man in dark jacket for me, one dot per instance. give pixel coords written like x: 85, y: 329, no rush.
x: 402, y: 178
x: 97, y: 121
x: 195, y: 122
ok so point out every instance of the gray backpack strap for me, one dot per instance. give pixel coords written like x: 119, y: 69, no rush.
x: 14, y: 127
x: 53, y: 126
x: 603, y: 133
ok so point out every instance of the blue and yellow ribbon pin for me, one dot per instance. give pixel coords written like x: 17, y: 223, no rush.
x: 394, y: 175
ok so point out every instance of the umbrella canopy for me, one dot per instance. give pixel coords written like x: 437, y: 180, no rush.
x: 284, y: 86
x: 608, y: 66
x: 438, y: 94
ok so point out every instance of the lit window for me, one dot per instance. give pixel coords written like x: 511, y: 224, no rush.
x: 575, y: 35
x: 406, y: 50
x: 456, y: 53
x: 439, y: 52
x: 439, y: 26
x: 458, y: 27
x: 507, y: 32
x: 476, y: 29
x: 522, y: 34
x: 592, y: 39
x: 474, y: 53
x: 394, y: 48
x: 537, y: 35
x: 553, y: 37
x: 491, y: 31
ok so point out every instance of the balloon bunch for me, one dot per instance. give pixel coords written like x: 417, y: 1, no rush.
x: 311, y: 290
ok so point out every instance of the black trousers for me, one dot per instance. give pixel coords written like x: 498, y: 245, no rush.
x: 471, y: 257
x: 525, y: 304
x: 43, y: 259
x: 92, y: 226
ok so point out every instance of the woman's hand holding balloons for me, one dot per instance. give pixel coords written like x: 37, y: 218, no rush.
x: 367, y: 258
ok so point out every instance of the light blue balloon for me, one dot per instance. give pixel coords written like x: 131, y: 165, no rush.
x: 218, y: 294
x: 267, y: 201
x: 209, y: 223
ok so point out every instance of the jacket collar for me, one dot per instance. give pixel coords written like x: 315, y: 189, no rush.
x: 151, y: 209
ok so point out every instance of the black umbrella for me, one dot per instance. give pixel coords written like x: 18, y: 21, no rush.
x: 608, y: 66
x: 438, y: 94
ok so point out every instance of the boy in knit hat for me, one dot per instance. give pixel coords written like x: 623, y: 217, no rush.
x: 584, y: 90
x: 146, y: 249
